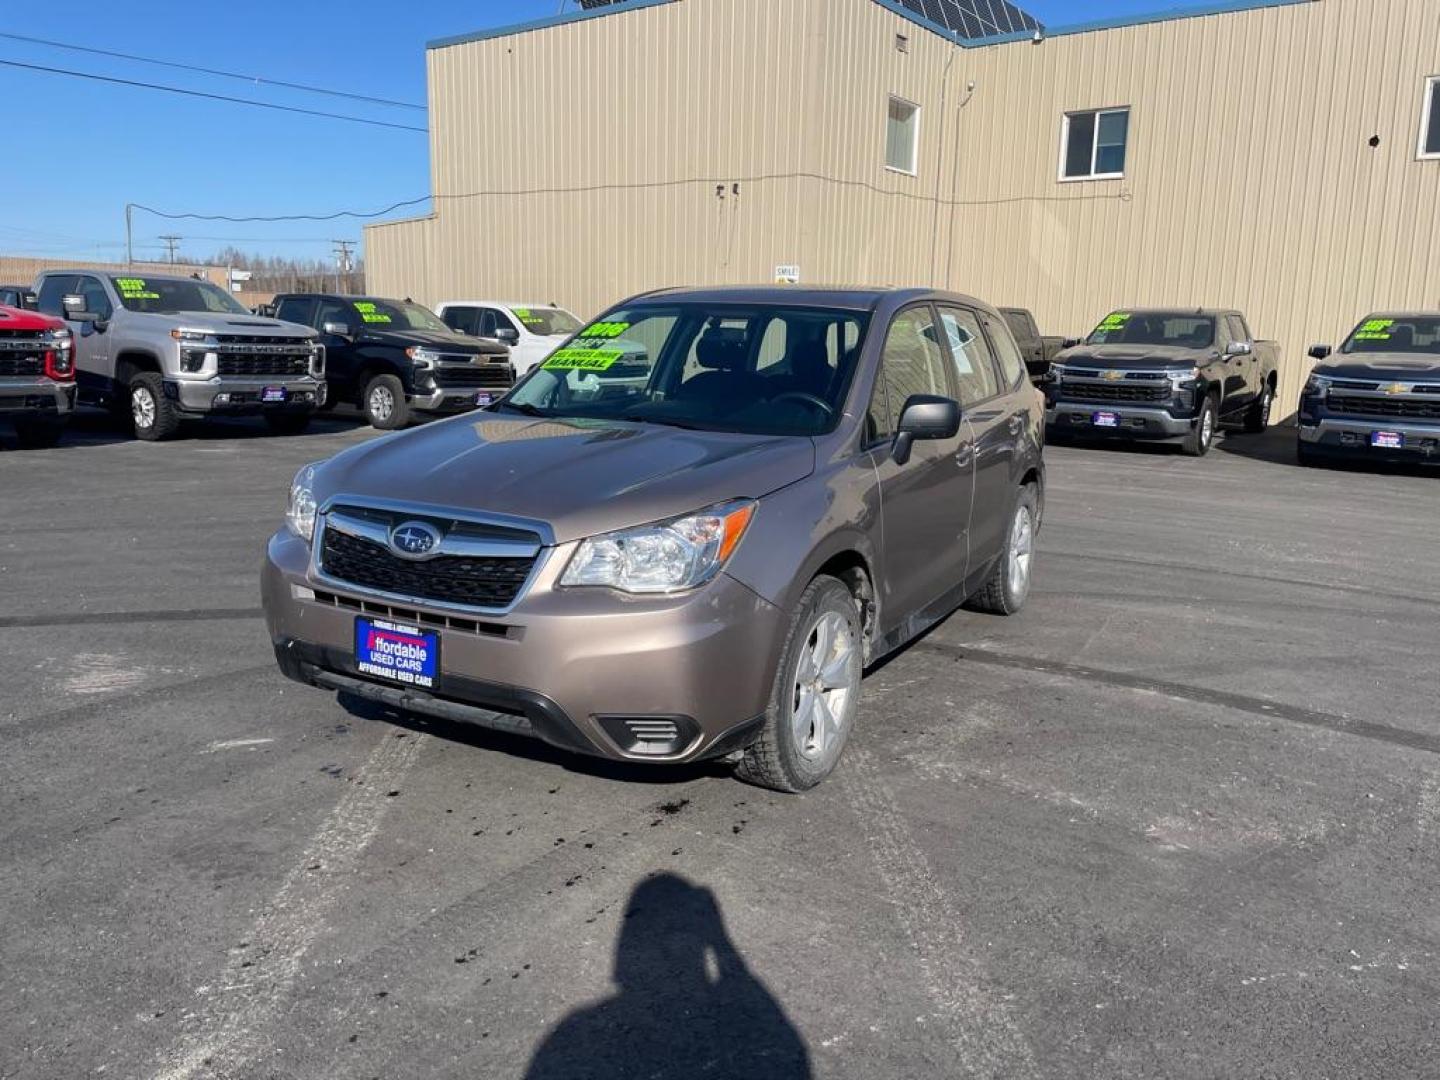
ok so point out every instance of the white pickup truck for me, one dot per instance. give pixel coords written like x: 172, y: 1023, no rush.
x: 533, y: 331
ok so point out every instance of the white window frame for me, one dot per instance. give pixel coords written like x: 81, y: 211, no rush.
x: 1094, y: 144
x: 914, y: 138
x: 1426, y: 107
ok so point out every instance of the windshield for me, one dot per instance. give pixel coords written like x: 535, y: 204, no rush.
x: 1414, y: 334
x: 169, y: 295
x: 547, y: 320
x: 397, y: 315
x: 760, y: 370
x: 1186, y: 331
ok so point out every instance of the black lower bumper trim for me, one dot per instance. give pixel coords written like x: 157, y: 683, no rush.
x: 489, y: 705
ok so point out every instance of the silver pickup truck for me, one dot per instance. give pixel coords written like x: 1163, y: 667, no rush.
x: 160, y: 349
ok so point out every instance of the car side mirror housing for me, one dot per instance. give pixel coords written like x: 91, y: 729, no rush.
x: 925, y: 416
x: 1238, y: 348
x: 1320, y: 352
x: 338, y: 329
x: 507, y: 336
x: 74, y: 305
x: 1069, y: 342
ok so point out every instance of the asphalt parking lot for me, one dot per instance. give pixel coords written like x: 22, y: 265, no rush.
x: 1180, y: 818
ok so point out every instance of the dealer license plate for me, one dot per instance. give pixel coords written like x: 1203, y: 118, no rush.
x: 484, y: 398
x: 397, y: 653
x: 1105, y: 419
x: 272, y: 395
x: 1387, y: 440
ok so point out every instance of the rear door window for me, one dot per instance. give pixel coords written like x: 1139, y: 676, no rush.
x: 1007, y: 352
x: 974, y: 364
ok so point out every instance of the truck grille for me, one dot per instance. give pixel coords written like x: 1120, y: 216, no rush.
x: 450, y: 579
x: 1403, y: 407
x: 263, y: 339
x: 12, y: 367
x: 241, y: 364
x: 482, y: 375
x: 22, y: 354
x: 1112, y: 392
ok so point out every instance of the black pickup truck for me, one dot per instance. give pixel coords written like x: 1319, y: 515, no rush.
x: 21, y: 297
x: 1037, y: 349
x: 1379, y: 396
x: 394, y: 358
x: 1164, y: 374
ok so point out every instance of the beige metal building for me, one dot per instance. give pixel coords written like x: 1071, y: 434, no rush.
x: 1280, y: 156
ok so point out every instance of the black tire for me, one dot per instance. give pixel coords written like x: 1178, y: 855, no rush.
x: 288, y: 423
x: 33, y: 434
x: 1008, y: 586
x: 383, y: 402
x: 160, y: 419
x: 778, y: 759
x: 1257, y: 416
x: 1202, y: 436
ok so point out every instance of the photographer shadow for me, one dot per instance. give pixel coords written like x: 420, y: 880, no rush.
x: 687, y: 1006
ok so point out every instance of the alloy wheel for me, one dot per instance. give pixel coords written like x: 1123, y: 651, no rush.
x: 142, y: 407
x: 826, y: 679
x: 1022, y: 552
x: 382, y: 403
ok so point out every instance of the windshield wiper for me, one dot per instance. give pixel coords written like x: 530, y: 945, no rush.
x: 641, y: 418
x: 522, y: 407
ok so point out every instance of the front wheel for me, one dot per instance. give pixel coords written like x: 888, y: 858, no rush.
x: 1008, y: 586
x: 384, y: 403
x: 1202, y: 436
x: 816, y: 693
x: 154, y: 415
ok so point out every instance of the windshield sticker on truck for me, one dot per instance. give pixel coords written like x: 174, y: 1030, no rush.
x: 1374, y: 330
x: 604, y: 330
x: 1114, y: 321
x: 369, y: 314
x: 133, y: 288
x: 583, y: 359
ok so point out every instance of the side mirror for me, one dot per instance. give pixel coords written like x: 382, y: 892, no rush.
x: 1320, y: 352
x: 925, y: 416
x: 338, y: 329
x: 507, y: 336
x: 1238, y: 348
x: 1070, y: 342
x: 74, y: 305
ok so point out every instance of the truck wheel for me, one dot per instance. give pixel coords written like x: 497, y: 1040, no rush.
x: 154, y: 416
x: 288, y: 423
x: 1257, y: 417
x: 816, y: 693
x: 38, y: 434
x: 1198, y: 442
x: 384, y: 403
x: 1008, y: 586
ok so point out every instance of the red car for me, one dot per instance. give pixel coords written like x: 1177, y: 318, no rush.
x: 37, y: 375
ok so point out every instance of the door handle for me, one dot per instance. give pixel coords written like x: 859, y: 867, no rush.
x: 964, y: 454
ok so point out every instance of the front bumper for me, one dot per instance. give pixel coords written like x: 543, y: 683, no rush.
x: 1351, y: 436
x: 239, y: 396
x: 1135, y: 422
x: 38, y: 397
x: 588, y: 670
x: 452, y: 399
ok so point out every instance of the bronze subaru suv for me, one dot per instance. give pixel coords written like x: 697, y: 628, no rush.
x: 685, y: 534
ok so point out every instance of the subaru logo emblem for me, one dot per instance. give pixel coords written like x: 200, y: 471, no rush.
x: 414, y: 540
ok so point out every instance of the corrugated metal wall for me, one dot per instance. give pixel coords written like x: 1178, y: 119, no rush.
x: 598, y: 147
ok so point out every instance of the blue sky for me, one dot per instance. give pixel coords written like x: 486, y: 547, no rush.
x: 75, y: 152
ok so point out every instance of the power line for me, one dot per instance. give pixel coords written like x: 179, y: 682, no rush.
x: 170, y: 242
x: 282, y: 217
x: 212, y: 71
x: 211, y: 97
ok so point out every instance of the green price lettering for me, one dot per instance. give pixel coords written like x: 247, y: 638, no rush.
x: 605, y: 330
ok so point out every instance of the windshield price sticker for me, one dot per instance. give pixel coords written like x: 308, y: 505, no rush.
x: 133, y: 288
x: 528, y: 317
x: 604, y: 330
x: 369, y: 314
x: 583, y: 359
x: 1374, y: 330
x: 1114, y: 321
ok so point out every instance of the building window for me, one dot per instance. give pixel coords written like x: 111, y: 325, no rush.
x: 1093, y: 144
x: 902, y: 135
x: 1430, y: 119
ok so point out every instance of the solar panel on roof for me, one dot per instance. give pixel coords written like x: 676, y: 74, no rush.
x: 968, y: 18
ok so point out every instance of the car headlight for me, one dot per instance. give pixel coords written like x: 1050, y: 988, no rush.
x: 1315, y: 385
x: 300, y: 514
x: 204, y: 337
x: 671, y: 556
x: 1057, y: 371
x: 422, y: 356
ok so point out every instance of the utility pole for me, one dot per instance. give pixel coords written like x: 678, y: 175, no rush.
x: 342, y: 263
x: 170, y: 242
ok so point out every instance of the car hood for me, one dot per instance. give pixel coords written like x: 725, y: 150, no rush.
x: 220, y: 324
x: 582, y: 477
x: 1136, y: 357
x: 434, y: 339
x: 1391, y: 367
